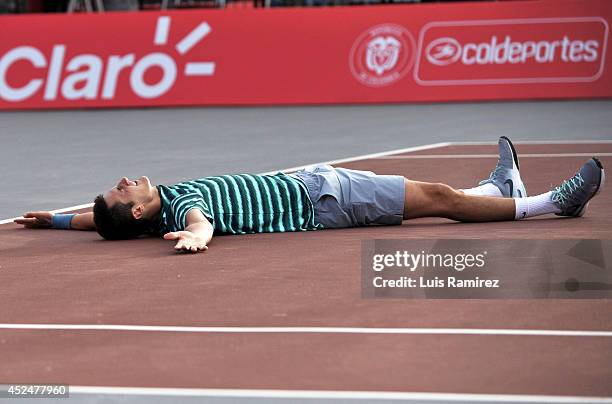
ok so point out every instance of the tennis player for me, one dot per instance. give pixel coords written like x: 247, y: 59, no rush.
x: 317, y: 197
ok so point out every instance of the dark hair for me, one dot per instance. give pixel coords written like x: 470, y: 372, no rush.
x: 117, y: 222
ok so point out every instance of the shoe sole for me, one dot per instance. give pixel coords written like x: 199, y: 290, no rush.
x: 583, y: 210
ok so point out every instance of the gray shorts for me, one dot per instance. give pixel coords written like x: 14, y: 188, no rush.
x: 349, y: 198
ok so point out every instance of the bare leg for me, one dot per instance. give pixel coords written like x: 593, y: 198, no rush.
x: 423, y: 199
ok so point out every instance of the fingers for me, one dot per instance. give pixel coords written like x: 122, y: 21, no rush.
x: 32, y: 214
x: 38, y: 214
x: 187, y: 247
x: 26, y: 222
x: 31, y: 222
x: 186, y: 241
x: 35, y: 219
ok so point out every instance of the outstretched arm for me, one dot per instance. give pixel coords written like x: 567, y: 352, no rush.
x: 42, y: 219
x: 197, y: 234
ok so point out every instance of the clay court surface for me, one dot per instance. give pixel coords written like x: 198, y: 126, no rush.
x: 254, y: 312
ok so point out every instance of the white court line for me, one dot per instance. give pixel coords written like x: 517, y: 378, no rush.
x: 335, y: 394
x: 369, y: 156
x: 527, y: 142
x: 488, y: 156
x: 306, y: 330
x: 290, y: 169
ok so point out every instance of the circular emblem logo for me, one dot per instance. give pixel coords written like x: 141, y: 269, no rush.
x: 382, y: 55
x: 443, y: 51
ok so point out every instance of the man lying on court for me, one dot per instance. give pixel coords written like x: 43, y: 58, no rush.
x: 317, y: 197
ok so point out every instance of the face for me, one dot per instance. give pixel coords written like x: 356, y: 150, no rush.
x: 137, y: 191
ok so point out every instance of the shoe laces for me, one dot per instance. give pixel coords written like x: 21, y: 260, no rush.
x: 492, y: 175
x: 564, y: 191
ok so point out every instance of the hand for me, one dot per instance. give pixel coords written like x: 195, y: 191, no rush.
x: 187, y: 241
x: 36, y: 220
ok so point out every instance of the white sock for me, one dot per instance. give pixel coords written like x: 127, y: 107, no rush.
x: 487, y: 189
x: 534, y: 206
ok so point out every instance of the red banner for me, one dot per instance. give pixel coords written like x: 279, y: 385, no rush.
x: 391, y: 53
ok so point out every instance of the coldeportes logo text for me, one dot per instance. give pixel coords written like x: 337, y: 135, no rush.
x: 448, y: 50
x: 512, y: 51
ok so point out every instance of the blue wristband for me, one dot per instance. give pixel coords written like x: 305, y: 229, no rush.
x: 59, y: 221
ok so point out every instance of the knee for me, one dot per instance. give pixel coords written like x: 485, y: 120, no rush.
x: 446, y: 195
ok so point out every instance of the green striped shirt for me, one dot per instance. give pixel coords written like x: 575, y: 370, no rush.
x: 239, y: 204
